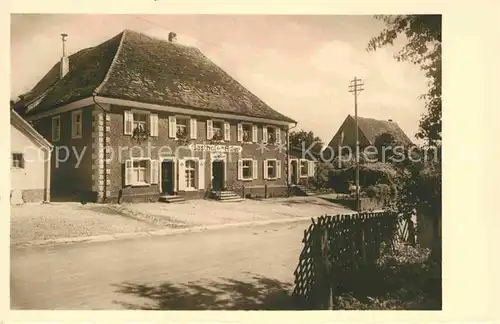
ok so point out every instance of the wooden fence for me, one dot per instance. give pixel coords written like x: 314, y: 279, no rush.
x: 337, y: 245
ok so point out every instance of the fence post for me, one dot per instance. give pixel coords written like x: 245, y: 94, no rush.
x: 265, y: 191
x: 243, y: 191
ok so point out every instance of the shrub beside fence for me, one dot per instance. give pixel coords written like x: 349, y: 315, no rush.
x: 335, y: 246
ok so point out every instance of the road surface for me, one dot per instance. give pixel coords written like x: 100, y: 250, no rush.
x: 234, y: 268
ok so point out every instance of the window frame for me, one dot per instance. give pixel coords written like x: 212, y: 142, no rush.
x: 146, y: 115
x: 76, y: 127
x: 275, y: 169
x: 189, y: 170
x: 271, y: 133
x: 250, y: 167
x: 250, y: 133
x: 53, y: 129
x: 306, y: 174
x: 21, y: 161
x: 134, y: 182
x: 186, y: 121
x: 221, y: 122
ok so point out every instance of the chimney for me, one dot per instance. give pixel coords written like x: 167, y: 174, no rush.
x: 64, y: 68
x: 172, y: 37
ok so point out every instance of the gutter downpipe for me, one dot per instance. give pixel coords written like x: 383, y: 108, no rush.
x: 288, y: 158
x: 104, y: 147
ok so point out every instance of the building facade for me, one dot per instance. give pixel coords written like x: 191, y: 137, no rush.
x: 30, y: 163
x: 188, y: 130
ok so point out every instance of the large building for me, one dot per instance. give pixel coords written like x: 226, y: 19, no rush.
x: 136, y: 118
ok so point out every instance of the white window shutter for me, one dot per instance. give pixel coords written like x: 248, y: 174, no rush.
x: 255, y: 170
x: 264, y: 134
x: 172, y: 126
x: 310, y: 168
x: 210, y: 129
x: 278, y: 169
x: 193, y: 131
x: 254, y: 133
x: 278, y: 135
x: 182, y: 175
x: 240, y: 169
x: 153, y: 125
x: 264, y: 169
x: 154, y: 171
x: 227, y: 131
x: 128, y: 120
x: 201, y: 174
x: 240, y: 132
x: 128, y: 172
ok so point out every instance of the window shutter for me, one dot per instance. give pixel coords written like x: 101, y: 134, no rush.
x: 254, y: 133
x: 182, y: 175
x: 153, y: 125
x: 264, y: 169
x: 172, y: 126
x: 264, y: 134
x: 128, y: 172
x: 210, y: 129
x: 193, y: 131
x: 201, y: 174
x: 255, y: 171
x: 278, y: 169
x: 240, y: 169
x: 73, y: 125
x: 278, y: 135
x: 310, y: 168
x: 289, y: 170
x: 154, y: 171
x: 227, y: 131
x: 128, y: 119
x: 240, y: 132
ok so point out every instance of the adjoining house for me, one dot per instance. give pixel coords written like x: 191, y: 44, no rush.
x: 193, y: 128
x: 369, y: 130
x: 30, y: 163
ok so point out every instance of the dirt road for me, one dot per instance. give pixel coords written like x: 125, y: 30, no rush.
x: 234, y: 268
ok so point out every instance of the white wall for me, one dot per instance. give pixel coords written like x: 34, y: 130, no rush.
x: 33, y: 174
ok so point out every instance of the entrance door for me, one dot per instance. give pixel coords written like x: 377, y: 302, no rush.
x: 167, y: 177
x: 294, y: 172
x: 218, y: 175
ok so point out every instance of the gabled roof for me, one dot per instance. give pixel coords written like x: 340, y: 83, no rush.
x: 372, y: 128
x: 27, y: 129
x: 133, y: 66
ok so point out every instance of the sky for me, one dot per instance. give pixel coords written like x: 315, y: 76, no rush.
x: 299, y: 65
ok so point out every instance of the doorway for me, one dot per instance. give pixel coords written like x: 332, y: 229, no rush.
x: 167, y: 177
x: 217, y: 175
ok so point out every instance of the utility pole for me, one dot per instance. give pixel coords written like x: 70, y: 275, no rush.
x: 355, y: 88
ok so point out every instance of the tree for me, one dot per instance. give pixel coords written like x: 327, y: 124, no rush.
x: 420, y: 188
x: 385, y: 143
x: 303, y: 140
x: 423, y: 48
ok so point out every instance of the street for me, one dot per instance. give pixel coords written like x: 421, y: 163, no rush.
x: 233, y: 268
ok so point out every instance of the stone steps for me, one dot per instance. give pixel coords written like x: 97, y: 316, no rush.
x: 171, y: 199
x: 305, y: 190
x: 227, y: 196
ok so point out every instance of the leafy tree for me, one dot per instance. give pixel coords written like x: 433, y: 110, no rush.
x: 423, y: 48
x: 385, y: 143
x: 303, y: 140
x: 420, y: 189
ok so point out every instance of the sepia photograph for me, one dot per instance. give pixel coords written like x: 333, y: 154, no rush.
x: 225, y: 162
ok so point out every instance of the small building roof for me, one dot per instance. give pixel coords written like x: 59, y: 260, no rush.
x: 19, y: 122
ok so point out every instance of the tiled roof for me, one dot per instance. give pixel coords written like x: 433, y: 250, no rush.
x: 150, y: 70
x: 372, y: 128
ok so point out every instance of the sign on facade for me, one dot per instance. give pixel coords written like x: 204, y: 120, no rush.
x: 216, y: 148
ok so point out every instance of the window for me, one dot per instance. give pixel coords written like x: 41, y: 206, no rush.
x: 247, y: 133
x: 76, y: 124
x: 182, y: 128
x: 56, y: 128
x: 271, y: 135
x: 140, y: 121
x: 190, y: 173
x: 218, y: 127
x: 139, y: 172
x: 303, y: 168
x: 17, y: 160
x: 247, y: 169
x: 271, y: 169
